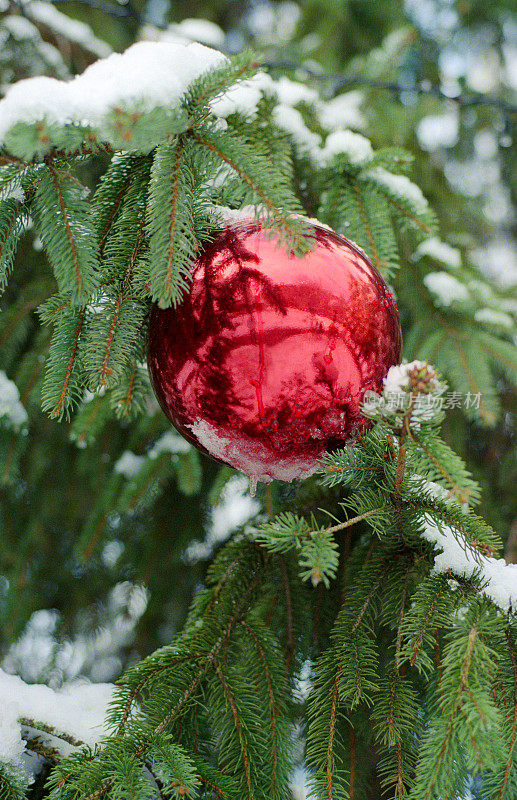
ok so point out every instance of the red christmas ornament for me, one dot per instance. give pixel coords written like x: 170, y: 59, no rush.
x: 265, y: 363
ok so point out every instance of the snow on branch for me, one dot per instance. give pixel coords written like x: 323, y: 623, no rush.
x: 498, y: 580
x: 147, y: 75
x: 77, y: 711
x: 75, y: 31
x: 11, y: 409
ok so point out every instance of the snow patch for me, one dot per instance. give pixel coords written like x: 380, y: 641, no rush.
x: 437, y: 130
x: 249, y: 214
x: 397, y: 396
x: 343, y: 112
x: 440, y: 251
x: 244, y: 97
x: 77, y: 710
x: 398, y: 186
x: 446, y: 289
x: 169, y: 443
x: 13, y: 191
x: 487, y: 316
x: 71, y: 29
x: 199, y: 30
x: 355, y: 147
x: 397, y: 379
x: 10, y: 406
x: 498, y: 579
x: 20, y: 28
x: 146, y: 75
x: 128, y: 464
x: 290, y: 93
x: 290, y: 120
x: 234, y: 508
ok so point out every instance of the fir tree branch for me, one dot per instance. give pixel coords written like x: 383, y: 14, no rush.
x: 66, y: 222
x: 329, y: 762
x: 375, y: 254
x: 420, y: 639
x: 69, y: 240
x: 513, y: 738
x: 238, y: 725
x: 464, y: 674
x: 264, y: 188
x: 289, y: 647
x: 487, y: 415
x: 9, y: 232
x: 401, y: 617
x: 209, y: 660
x: 141, y: 685
x: 58, y: 396
x: 26, y: 308
x: 169, y: 220
x: 463, y: 495
x: 106, y: 370
x: 351, y: 785
x: 115, y: 206
x: 174, y: 201
x: 405, y: 212
x: 369, y: 598
x: 272, y: 707
x: 354, y: 520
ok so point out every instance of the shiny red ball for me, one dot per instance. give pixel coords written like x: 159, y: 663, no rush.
x: 265, y: 362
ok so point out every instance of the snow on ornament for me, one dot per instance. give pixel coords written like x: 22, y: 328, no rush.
x: 265, y: 362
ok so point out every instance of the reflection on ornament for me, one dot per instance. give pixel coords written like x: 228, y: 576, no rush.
x: 265, y: 362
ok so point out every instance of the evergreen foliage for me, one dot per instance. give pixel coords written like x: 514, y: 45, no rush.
x: 413, y: 669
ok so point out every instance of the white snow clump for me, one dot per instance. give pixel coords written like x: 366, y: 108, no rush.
x: 77, y: 710
x: 440, y: 251
x: 499, y: 319
x: 446, y: 289
x: 437, y: 130
x: 170, y: 442
x: 11, y: 409
x: 498, y: 579
x: 398, y: 186
x: 290, y: 120
x: 356, y: 148
x: 248, y: 455
x: 128, y: 464
x: 71, y: 29
x: 146, y: 75
x: 398, y: 395
x: 342, y: 112
x: 244, y: 97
